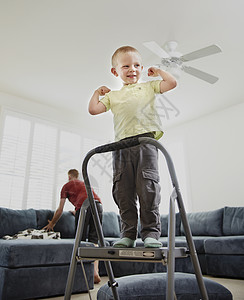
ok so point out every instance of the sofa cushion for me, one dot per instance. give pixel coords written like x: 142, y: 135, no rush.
x: 207, y: 223
x: 198, y: 241
x: 164, y: 225
x: 180, y: 241
x: 153, y: 286
x: 232, y: 245
x: 110, y: 224
x: 12, y: 221
x: 233, y: 221
x: 42, y: 281
x: 23, y: 253
x: 65, y: 225
x: 229, y: 266
x: 42, y: 217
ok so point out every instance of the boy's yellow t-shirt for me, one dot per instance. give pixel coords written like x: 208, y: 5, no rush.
x: 134, y: 110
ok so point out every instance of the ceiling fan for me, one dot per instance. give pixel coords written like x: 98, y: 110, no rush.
x: 175, y: 61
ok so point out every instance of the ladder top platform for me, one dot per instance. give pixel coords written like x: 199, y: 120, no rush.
x: 129, y: 254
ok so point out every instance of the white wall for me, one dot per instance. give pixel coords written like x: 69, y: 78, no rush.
x: 214, y: 148
x: 34, y: 108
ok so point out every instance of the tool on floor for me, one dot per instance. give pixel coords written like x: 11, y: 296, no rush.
x: 165, y: 255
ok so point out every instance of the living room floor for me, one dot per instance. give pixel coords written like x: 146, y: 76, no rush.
x: 235, y: 286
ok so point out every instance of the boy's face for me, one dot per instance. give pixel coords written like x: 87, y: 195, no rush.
x: 128, y: 67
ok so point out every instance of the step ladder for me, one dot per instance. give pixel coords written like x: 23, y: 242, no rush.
x: 165, y: 255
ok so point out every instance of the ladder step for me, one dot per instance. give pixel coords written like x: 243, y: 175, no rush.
x: 129, y: 254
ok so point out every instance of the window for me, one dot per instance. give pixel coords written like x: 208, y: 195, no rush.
x: 13, y: 160
x: 42, y: 166
x: 34, y: 159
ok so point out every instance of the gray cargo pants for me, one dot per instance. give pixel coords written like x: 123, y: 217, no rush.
x: 136, y: 177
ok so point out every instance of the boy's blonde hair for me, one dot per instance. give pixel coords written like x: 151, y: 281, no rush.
x: 123, y: 49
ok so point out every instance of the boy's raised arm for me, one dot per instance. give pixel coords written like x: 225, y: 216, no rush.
x: 95, y: 106
x: 168, y: 82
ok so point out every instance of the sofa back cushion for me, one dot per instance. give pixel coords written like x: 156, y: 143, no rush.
x: 233, y: 221
x: 12, y: 221
x: 164, y: 224
x: 65, y: 225
x: 207, y: 223
x: 110, y: 224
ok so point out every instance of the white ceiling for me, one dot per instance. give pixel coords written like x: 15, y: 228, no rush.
x: 57, y: 52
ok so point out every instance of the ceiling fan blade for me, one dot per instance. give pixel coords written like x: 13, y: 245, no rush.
x: 200, y: 74
x: 201, y: 53
x: 156, y: 49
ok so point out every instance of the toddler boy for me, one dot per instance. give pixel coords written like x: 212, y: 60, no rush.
x: 135, y: 169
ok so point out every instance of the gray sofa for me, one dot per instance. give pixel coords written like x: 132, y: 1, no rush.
x: 37, y: 268
x: 218, y: 236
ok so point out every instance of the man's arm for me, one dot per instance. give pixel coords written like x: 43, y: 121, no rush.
x: 95, y: 106
x: 56, y: 216
x: 168, y: 82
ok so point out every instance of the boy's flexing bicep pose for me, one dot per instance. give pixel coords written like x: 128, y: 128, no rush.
x: 95, y: 106
x: 135, y: 169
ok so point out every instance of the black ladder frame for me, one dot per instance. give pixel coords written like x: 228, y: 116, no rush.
x: 175, y: 196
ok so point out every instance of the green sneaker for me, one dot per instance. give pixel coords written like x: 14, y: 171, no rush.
x: 152, y: 243
x: 125, y: 243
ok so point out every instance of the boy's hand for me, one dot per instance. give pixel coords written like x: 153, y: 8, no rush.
x: 152, y: 71
x: 103, y: 90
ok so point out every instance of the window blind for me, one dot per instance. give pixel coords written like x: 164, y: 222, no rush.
x: 35, y: 156
x: 13, y: 161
